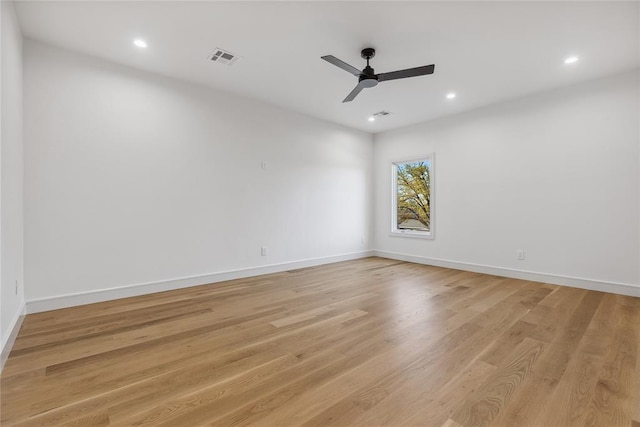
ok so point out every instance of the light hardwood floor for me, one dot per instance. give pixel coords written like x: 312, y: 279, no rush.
x: 360, y: 343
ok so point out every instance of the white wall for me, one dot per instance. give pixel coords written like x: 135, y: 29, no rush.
x: 135, y: 178
x: 11, y: 199
x: 555, y: 174
x: 132, y: 178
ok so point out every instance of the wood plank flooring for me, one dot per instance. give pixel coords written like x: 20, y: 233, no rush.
x: 361, y: 343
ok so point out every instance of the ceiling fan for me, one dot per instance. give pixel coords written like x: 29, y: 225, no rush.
x: 367, y: 77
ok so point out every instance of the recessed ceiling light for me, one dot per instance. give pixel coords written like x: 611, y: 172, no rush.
x: 371, y: 119
x: 140, y: 43
x: 451, y: 95
x: 571, y: 60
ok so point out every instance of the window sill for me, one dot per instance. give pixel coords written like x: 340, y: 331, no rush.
x: 415, y: 235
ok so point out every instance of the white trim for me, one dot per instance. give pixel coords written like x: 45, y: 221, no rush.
x: 7, y: 345
x: 90, y: 297
x: 556, y: 279
x: 415, y: 234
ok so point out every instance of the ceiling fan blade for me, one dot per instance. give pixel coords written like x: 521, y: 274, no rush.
x: 339, y: 63
x: 409, y: 72
x: 354, y: 93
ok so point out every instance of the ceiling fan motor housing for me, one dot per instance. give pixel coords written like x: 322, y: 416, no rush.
x: 368, y: 80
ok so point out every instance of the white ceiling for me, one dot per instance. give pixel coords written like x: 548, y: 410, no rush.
x: 486, y: 52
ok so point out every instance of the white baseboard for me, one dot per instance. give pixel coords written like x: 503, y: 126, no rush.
x: 574, y: 282
x: 7, y: 345
x: 71, y: 300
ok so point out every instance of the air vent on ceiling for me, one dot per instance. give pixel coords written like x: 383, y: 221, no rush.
x: 381, y: 113
x: 224, y: 57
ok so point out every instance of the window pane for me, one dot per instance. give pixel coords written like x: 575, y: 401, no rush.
x: 413, y: 196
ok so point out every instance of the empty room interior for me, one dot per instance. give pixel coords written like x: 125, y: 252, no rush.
x: 320, y: 213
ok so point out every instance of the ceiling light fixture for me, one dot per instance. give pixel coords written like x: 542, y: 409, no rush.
x: 451, y: 95
x: 140, y: 43
x: 571, y: 60
x: 371, y: 119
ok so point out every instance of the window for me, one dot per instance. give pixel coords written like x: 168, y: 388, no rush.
x: 412, y: 198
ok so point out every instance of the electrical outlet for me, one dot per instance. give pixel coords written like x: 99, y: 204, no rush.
x: 520, y: 254
x: 263, y: 164
x: 263, y: 251
x: 16, y: 287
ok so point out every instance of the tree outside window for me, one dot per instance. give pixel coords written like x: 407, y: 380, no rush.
x: 413, y: 198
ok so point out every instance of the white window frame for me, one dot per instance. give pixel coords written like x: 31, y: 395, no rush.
x: 394, y: 200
